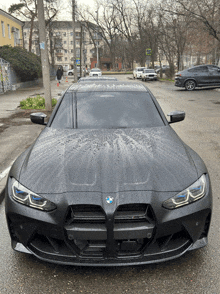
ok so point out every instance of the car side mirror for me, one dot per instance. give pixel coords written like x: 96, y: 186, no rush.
x: 176, y: 116
x: 38, y: 118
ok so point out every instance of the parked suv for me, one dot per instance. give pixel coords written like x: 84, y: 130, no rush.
x: 137, y: 72
x: 198, y: 76
x: 148, y: 74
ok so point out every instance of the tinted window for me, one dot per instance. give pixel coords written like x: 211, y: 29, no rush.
x: 116, y: 110
x: 213, y: 68
x: 149, y: 70
x: 199, y: 69
x: 63, y: 118
x: 95, y: 70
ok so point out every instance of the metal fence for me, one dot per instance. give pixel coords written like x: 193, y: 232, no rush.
x: 5, y: 77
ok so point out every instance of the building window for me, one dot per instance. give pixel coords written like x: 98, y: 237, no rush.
x: 17, y: 37
x: 65, y: 51
x: 71, y: 42
x: 9, y: 31
x: 65, y: 58
x: 3, y: 28
x: 64, y: 34
x: 71, y: 50
x: 59, y: 58
x: 71, y: 33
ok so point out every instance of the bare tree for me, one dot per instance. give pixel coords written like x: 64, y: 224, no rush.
x: 27, y: 9
x: 206, y: 13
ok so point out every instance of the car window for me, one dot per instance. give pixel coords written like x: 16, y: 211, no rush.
x: 64, y: 118
x: 95, y: 70
x: 199, y: 69
x: 140, y: 69
x: 149, y: 70
x: 213, y: 68
x: 116, y: 110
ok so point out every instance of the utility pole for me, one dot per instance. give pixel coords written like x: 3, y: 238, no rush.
x: 44, y: 55
x: 74, y: 40
x: 97, y: 39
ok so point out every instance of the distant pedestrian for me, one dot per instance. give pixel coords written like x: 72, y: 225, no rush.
x: 59, y: 74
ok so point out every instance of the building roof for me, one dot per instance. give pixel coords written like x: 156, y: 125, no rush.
x: 55, y: 24
x: 8, y: 15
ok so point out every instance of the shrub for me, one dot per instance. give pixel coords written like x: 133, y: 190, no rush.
x: 27, y: 65
x: 37, y: 102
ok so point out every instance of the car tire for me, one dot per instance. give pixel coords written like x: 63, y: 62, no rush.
x: 70, y: 74
x: 190, y: 85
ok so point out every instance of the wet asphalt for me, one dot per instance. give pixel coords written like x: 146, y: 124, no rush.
x: 195, y: 272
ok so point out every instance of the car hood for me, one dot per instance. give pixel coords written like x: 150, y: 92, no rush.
x: 108, y: 160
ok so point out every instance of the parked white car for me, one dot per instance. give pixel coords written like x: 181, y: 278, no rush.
x: 137, y: 72
x: 71, y: 72
x: 95, y: 72
x: 148, y: 74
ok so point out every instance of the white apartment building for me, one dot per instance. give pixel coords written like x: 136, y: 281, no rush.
x: 60, y: 43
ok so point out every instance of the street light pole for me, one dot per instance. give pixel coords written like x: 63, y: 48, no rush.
x: 74, y: 40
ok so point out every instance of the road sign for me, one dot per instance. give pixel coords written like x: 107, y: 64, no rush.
x: 78, y: 61
x: 148, y: 51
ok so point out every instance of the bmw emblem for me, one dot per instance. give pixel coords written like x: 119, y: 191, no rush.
x: 109, y: 200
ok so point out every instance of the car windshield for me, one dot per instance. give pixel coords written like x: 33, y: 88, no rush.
x: 149, y: 70
x: 95, y: 70
x: 94, y: 110
x: 140, y: 69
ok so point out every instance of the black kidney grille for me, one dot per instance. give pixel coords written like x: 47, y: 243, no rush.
x: 134, y: 213
x: 85, y: 214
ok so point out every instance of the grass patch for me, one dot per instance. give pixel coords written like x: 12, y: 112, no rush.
x: 170, y: 80
x: 37, y: 102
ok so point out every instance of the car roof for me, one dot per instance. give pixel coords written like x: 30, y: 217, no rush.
x: 201, y: 65
x: 108, y: 86
x: 102, y: 78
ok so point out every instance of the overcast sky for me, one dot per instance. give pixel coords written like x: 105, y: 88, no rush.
x: 5, y: 4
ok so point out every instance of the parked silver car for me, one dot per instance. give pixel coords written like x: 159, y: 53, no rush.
x: 148, y: 74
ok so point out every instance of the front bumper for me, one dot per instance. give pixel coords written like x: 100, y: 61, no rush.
x: 179, y: 82
x: 149, y: 77
x: 97, y: 234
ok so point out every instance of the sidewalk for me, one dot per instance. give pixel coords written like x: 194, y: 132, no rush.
x: 9, y: 102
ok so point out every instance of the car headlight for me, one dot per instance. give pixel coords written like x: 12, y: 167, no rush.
x: 193, y: 193
x: 27, y: 197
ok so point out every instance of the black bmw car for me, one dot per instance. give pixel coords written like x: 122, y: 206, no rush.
x: 108, y: 182
x: 198, y: 76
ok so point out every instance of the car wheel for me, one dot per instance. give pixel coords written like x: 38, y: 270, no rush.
x: 190, y: 85
x: 134, y: 77
x: 70, y: 73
